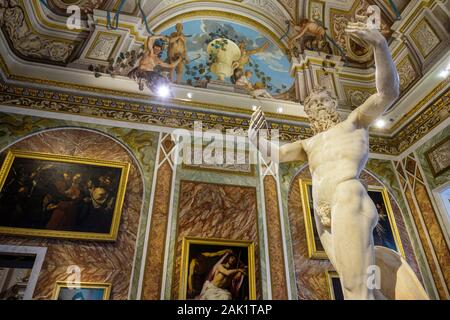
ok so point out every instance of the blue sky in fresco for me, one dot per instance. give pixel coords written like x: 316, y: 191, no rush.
x: 273, y: 62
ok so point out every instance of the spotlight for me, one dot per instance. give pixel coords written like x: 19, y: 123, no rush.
x: 444, y: 74
x: 163, y: 91
x: 254, y: 107
x: 380, y: 123
x: 280, y: 110
x: 189, y: 95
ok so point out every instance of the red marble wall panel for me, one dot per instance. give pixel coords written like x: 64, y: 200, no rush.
x: 276, y: 256
x: 155, y: 253
x: 207, y: 210
x: 98, y: 261
x: 425, y: 245
x: 434, y: 230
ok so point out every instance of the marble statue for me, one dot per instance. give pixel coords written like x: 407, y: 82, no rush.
x: 345, y: 214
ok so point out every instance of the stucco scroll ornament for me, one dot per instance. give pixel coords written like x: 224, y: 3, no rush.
x: 25, y: 41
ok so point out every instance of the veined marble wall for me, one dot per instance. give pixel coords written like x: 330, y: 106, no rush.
x: 207, y: 210
x: 99, y: 262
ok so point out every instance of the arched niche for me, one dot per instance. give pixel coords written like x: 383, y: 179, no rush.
x: 98, y: 261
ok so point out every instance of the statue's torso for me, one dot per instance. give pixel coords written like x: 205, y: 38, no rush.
x: 148, y: 62
x: 336, y: 155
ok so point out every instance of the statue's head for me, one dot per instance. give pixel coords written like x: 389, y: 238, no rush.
x: 321, y: 110
x: 179, y: 27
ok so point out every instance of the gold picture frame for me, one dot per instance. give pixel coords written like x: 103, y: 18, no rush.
x: 332, y: 277
x: 221, y: 244
x: 61, y: 285
x: 73, y: 162
x: 314, y: 252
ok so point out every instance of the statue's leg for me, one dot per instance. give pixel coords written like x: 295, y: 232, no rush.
x: 180, y: 70
x: 353, y: 218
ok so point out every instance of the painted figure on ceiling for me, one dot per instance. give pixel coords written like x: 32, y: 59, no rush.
x: 245, y: 54
x: 145, y: 73
x: 256, y: 90
x: 177, y: 50
x: 308, y: 27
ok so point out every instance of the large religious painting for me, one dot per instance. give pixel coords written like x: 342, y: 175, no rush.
x: 81, y: 291
x: 61, y: 196
x: 217, y: 49
x: 217, y: 269
x: 385, y: 233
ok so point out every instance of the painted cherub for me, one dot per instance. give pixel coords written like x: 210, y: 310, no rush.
x: 245, y: 54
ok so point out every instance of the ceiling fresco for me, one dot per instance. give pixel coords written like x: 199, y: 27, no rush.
x: 35, y: 31
x: 269, y: 66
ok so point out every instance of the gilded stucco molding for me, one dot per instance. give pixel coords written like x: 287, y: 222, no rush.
x: 177, y: 117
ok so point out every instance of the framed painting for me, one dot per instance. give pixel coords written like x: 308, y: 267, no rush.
x: 334, y: 286
x: 315, y: 248
x: 81, y: 291
x: 59, y: 196
x: 384, y: 234
x: 217, y: 269
x: 19, y: 271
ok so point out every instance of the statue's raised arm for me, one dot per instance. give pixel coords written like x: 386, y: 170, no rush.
x: 386, y: 76
x: 289, y: 152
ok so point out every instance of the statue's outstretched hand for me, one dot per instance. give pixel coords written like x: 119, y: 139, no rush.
x: 362, y: 31
x: 257, y: 122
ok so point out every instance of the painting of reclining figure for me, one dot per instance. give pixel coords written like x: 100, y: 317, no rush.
x: 214, y: 269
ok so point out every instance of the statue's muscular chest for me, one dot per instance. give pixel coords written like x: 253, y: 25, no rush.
x: 343, y: 142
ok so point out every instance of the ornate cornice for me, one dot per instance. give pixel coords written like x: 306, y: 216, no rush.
x: 178, y: 117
